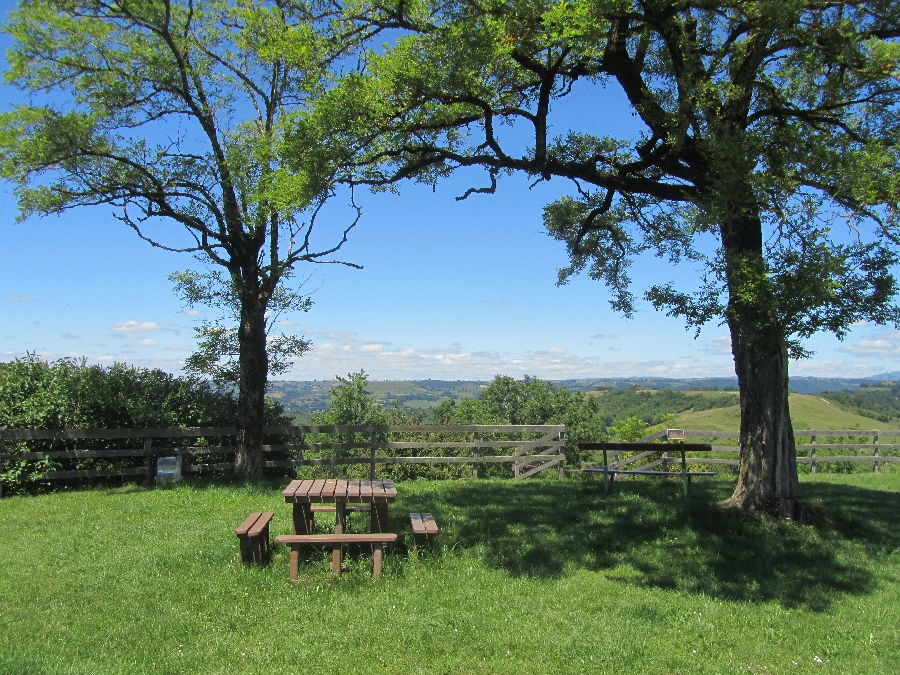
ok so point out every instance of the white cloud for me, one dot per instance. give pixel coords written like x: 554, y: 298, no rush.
x: 883, y: 344
x: 814, y: 368
x: 719, y: 345
x: 285, y: 322
x: 610, y: 336
x: 192, y: 312
x: 382, y: 362
x: 17, y: 298
x: 70, y: 336
x: 146, y: 342
x: 135, y: 327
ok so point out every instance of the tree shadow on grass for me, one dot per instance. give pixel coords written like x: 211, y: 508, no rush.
x: 647, y: 533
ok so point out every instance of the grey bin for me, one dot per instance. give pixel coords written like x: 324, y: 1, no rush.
x: 168, y: 469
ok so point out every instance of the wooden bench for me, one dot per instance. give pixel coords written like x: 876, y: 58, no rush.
x: 423, y: 525
x: 686, y: 475
x: 609, y: 472
x: 253, y: 535
x: 295, y: 541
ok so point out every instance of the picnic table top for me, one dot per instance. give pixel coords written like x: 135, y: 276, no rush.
x: 340, y: 490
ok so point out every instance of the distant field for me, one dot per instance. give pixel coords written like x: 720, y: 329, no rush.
x: 807, y: 412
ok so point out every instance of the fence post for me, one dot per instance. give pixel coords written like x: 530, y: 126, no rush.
x: 665, y: 461
x: 372, y: 465
x: 875, y: 452
x: 148, y: 458
x: 561, y: 463
x: 605, y: 470
x: 474, y: 454
x: 515, y: 452
x: 812, y: 453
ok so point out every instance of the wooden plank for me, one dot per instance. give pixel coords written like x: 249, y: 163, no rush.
x: 415, y: 520
x: 245, y: 527
x: 390, y: 490
x: 641, y: 472
x: 327, y: 508
x: 850, y: 446
x: 340, y: 490
x: 49, y: 434
x: 262, y: 522
x: 353, y: 488
x: 548, y: 465
x: 94, y: 473
x: 81, y: 454
x: 346, y: 538
x: 207, y: 450
x: 650, y: 465
x: 652, y: 447
x: 416, y: 428
x: 365, y: 491
x: 302, y: 492
x: 636, y: 458
x: 378, y: 496
x: 857, y: 458
x: 406, y: 445
x: 328, y: 488
x: 288, y: 492
x: 206, y: 468
x: 315, y: 492
x: 430, y: 523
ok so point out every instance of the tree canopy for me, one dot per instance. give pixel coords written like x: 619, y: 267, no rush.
x: 767, y: 162
x: 175, y: 111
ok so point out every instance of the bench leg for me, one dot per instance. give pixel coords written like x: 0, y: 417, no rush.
x: 246, y: 550
x: 377, y: 552
x: 336, y: 559
x: 264, y: 552
x: 295, y: 561
x: 303, y: 519
x: 379, y: 519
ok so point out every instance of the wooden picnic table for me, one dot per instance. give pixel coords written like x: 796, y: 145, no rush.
x: 304, y: 493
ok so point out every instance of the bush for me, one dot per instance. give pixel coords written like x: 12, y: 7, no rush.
x: 69, y: 394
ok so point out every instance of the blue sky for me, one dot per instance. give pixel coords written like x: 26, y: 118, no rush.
x: 449, y: 290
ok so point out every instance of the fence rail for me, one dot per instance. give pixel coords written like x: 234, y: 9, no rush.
x: 812, y: 448
x: 528, y: 456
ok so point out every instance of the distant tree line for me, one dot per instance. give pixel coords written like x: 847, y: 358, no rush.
x: 881, y: 402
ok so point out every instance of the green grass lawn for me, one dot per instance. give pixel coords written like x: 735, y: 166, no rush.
x: 525, y: 577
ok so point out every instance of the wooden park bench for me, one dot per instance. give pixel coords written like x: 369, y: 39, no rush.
x: 295, y: 541
x: 609, y: 473
x: 423, y: 526
x: 423, y: 523
x: 253, y: 535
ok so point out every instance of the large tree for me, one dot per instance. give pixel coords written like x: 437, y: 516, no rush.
x: 175, y: 111
x: 768, y: 159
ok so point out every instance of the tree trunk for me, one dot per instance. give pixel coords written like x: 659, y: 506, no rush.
x: 768, y: 479
x: 254, y: 368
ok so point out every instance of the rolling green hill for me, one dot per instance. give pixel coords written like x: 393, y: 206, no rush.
x: 807, y: 412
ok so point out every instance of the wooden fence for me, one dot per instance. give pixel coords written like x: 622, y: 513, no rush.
x: 528, y: 456
x: 807, y: 453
